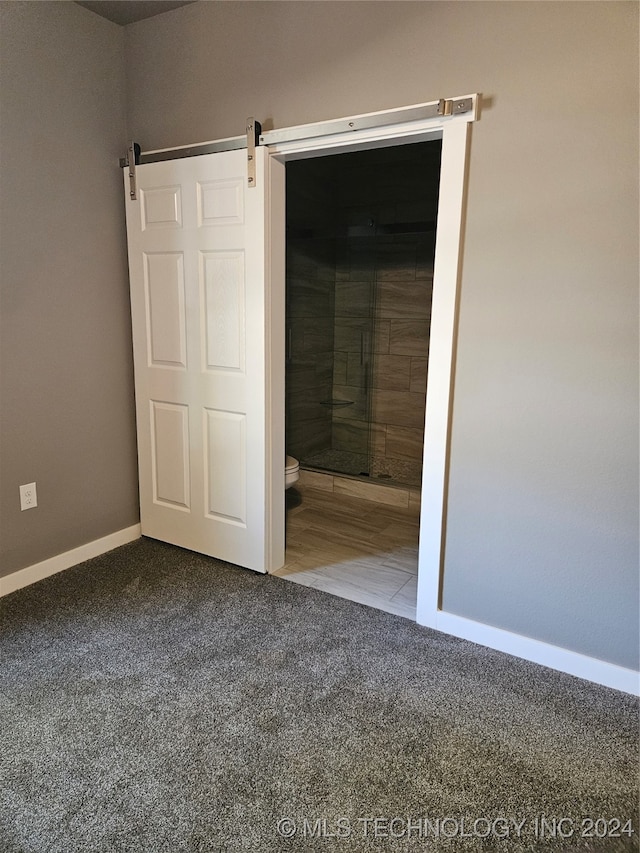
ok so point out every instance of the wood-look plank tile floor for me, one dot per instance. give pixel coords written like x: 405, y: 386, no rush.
x: 353, y: 548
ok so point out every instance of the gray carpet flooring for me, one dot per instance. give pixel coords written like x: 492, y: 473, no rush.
x: 157, y: 701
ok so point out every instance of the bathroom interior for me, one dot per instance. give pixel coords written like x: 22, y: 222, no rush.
x: 360, y: 248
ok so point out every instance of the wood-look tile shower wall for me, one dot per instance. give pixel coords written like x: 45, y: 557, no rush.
x: 309, y: 367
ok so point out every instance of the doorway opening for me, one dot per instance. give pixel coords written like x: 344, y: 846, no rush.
x: 360, y: 245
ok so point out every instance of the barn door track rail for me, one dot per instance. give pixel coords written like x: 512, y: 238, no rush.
x: 444, y: 109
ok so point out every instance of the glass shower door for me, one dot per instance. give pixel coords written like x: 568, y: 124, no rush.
x: 353, y: 355
x: 331, y: 259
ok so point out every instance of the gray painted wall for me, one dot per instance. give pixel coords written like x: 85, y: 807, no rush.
x: 66, y: 367
x: 542, y: 534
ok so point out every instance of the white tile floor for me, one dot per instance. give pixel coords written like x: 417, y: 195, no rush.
x: 353, y: 548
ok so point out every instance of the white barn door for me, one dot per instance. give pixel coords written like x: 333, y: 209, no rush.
x: 208, y: 463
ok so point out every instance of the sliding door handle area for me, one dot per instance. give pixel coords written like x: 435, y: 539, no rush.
x: 289, y: 339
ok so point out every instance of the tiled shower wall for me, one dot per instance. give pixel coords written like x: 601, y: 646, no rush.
x: 309, y: 346
x: 310, y: 288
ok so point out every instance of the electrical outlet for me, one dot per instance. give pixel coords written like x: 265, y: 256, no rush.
x: 28, y: 496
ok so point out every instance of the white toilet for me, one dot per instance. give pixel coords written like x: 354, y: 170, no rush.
x: 291, y: 471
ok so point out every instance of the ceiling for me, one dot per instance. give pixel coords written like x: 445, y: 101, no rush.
x: 127, y: 11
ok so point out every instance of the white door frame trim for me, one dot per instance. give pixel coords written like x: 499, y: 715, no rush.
x: 455, y: 135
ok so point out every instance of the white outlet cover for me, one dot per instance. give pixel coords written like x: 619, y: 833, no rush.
x: 28, y: 496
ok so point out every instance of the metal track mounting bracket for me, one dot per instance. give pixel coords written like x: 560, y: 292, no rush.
x: 133, y: 158
x: 254, y: 129
x: 455, y: 106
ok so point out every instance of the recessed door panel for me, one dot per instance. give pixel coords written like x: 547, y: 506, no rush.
x: 223, y: 310
x: 221, y: 202
x: 226, y: 466
x: 161, y: 207
x: 165, y: 309
x: 170, y: 448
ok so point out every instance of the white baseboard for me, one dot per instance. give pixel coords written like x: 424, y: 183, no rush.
x: 563, y: 660
x: 32, y: 574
